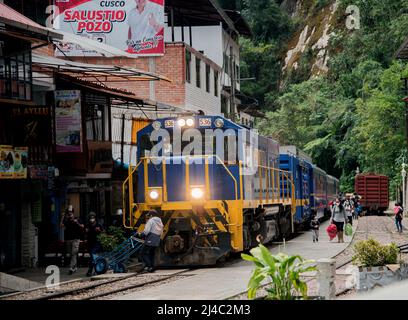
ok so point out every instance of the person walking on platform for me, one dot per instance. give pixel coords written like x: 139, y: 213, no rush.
x: 398, y: 211
x: 72, y: 234
x: 339, y: 218
x: 93, y: 229
x: 349, y: 208
x: 152, y: 234
x: 314, y: 224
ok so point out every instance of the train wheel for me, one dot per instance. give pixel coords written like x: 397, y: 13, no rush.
x: 120, y: 268
x: 247, y: 237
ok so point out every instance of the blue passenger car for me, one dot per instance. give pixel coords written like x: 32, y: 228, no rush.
x: 314, y: 188
x: 301, y: 169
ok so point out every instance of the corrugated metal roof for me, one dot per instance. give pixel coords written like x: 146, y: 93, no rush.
x: 11, y: 17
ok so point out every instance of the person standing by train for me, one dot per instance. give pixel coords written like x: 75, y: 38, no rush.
x: 152, y: 234
x: 398, y: 211
x: 339, y: 218
x: 93, y: 229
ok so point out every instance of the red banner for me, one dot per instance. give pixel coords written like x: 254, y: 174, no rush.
x: 135, y: 26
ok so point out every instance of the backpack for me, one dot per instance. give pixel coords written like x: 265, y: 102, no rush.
x: 399, y: 213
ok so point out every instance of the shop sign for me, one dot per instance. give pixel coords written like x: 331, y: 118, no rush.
x: 100, y: 157
x: 38, y: 172
x: 13, y: 162
x: 136, y: 27
x: 68, y: 121
x: 32, y: 126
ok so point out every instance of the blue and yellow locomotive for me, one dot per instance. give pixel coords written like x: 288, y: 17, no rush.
x: 220, y: 188
x: 212, y: 203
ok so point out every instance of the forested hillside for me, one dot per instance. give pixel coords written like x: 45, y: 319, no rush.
x: 334, y: 92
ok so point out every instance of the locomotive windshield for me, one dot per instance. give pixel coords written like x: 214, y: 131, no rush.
x: 196, y: 142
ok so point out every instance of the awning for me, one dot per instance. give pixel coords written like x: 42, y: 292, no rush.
x: 198, y: 13
x: 19, y: 25
x: 123, y: 99
x: 90, y: 44
x: 240, y: 23
x: 96, y: 72
x: 402, y: 52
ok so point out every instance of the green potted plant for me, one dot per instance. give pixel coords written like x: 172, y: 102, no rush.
x: 378, y: 264
x: 111, y: 238
x: 283, y: 270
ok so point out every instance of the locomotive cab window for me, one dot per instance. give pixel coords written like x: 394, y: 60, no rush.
x: 146, y: 145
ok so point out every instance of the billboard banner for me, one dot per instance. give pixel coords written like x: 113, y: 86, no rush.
x: 68, y: 121
x: 134, y: 26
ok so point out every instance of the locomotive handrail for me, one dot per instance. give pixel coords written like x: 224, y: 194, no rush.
x: 282, y: 174
x: 129, y: 180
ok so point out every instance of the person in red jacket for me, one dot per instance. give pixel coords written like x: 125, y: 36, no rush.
x: 398, y: 212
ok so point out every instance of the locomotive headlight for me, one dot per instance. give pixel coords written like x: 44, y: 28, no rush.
x: 219, y: 123
x: 154, y: 195
x: 181, y: 122
x: 190, y: 122
x: 156, y: 125
x: 197, y: 193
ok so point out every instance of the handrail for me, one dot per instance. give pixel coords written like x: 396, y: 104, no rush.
x: 283, y: 177
x: 129, y: 180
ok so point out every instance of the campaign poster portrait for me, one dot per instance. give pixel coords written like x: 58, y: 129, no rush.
x: 134, y: 26
x: 68, y: 121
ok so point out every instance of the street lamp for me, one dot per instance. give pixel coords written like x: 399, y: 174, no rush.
x: 403, y: 174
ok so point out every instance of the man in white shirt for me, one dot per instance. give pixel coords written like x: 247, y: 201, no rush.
x: 144, y: 21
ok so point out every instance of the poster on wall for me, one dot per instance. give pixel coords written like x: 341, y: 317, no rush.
x: 6, y: 162
x: 68, y: 121
x: 134, y: 26
x: 13, y: 162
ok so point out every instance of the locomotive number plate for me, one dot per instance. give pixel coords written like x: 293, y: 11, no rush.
x: 205, y: 122
x: 169, y: 124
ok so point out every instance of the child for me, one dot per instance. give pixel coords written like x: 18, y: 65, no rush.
x: 314, y: 224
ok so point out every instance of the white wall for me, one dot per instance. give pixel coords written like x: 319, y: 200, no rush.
x: 227, y: 44
x: 199, y: 98
x: 206, y: 38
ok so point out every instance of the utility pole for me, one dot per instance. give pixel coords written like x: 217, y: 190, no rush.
x: 406, y: 108
x: 232, y: 79
x: 404, y: 195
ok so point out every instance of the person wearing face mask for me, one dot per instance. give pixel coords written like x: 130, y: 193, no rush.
x: 339, y: 218
x: 152, y: 234
x: 73, y: 229
x: 93, y: 229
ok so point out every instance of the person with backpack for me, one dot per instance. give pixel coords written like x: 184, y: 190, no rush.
x: 339, y: 218
x: 398, y: 211
x: 152, y: 234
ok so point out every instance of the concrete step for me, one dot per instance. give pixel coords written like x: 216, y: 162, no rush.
x: 14, y: 283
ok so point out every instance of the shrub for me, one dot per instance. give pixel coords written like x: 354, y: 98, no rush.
x: 284, y: 272
x: 371, y: 253
x: 111, y: 238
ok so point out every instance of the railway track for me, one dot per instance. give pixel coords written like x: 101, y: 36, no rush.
x: 79, y: 290
x: 112, y: 287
